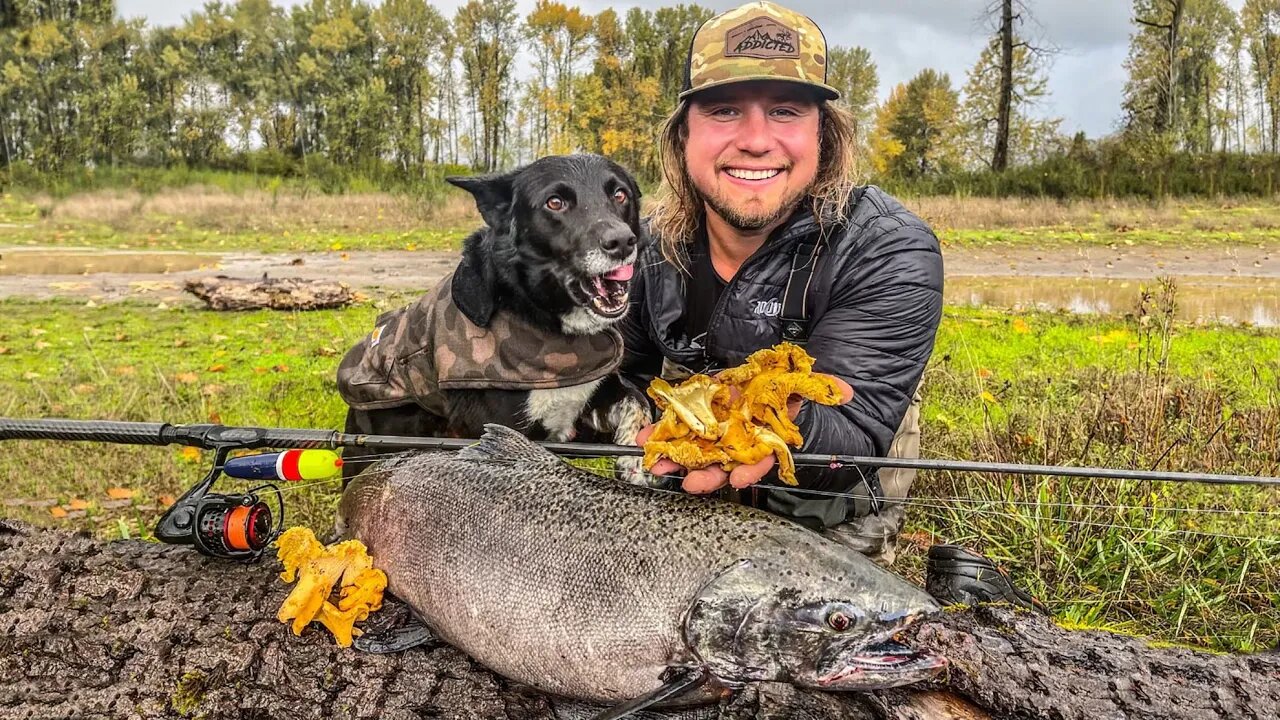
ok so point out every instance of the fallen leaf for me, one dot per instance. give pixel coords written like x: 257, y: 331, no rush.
x: 187, y: 378
x: 211, y: 389
x: 42, y: 345
x: 281, y: 368
x: 217, y: 367
x: 259, y: 370
x: 166, y: 500
x: 77, y: 504
x: 989, y: 398
x: 191, y: 454
x: 84, y: 389
x: 345, y: 257
x: 119, y: 493
x: 218, y: 338
x: 121, y: 337
x: 1020, y: 326
x: 57, y: 512
x: 124, y: 370
x: 180, y: 342
x: 30, y: 375
x: 984, y: 373
x: 5, y: 351
x: 37, y: 332
x: 215, y: 417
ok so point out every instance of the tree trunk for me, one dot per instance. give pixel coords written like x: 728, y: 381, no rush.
x: 1000, y: 159
x: 1175, y: 27
x: 129, y: 629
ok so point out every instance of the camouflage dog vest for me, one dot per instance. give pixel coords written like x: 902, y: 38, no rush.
x: 418, y: 352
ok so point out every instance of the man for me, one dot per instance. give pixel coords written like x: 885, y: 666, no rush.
x: 760, y: 235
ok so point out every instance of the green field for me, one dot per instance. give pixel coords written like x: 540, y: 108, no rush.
x: 1185, y: 564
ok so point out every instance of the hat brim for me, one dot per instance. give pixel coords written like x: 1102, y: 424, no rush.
x: 825, y: 92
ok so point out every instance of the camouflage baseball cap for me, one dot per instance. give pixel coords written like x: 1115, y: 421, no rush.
x: 758, y: 41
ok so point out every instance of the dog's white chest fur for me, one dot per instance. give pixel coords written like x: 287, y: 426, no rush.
x: 559, y: 408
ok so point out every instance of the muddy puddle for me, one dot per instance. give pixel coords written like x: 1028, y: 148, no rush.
x: 71, y: 262
x: 1253, y: 301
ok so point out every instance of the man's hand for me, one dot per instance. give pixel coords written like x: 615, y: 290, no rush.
x: 710, y: 479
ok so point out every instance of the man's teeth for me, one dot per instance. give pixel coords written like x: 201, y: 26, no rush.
x: 752, y: 174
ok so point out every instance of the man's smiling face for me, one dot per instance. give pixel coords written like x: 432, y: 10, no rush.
x: 752, y: 150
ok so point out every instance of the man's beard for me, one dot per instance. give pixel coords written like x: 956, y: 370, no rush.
x: 747, y: 221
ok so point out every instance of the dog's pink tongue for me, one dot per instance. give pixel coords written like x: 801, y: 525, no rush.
x: 620, y: 274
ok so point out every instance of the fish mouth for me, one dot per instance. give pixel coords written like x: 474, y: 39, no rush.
x: 605, y: 294
x: 881, y: 666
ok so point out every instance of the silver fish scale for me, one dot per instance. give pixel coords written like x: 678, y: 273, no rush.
x: 538, y: 569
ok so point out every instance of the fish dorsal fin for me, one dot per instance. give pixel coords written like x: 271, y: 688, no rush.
x: 501, y: 443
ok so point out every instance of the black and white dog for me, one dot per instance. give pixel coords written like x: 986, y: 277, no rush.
x: 520, y: 334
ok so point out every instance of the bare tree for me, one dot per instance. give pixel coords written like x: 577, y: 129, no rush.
x: 1009, y: 13
x: 1172, y: 26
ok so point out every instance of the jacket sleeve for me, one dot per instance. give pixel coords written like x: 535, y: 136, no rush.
x: 877, y: 334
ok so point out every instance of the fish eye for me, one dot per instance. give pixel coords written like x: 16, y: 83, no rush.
x: 620, y: 196
x: 555, y: 203
x: 839, y: 621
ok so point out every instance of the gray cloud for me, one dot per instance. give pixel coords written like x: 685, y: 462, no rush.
x: 906, y: 36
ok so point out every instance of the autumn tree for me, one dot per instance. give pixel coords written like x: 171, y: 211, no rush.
x: 559, y: 36
x: 852, y: 71
x: 916, y: 127
x: 487, y: 32
x: 412, y: 37
x: 997, y: 119
x: 1176, y: 71
x: 1261, y: 31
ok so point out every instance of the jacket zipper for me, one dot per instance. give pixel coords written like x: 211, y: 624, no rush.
x: 760, y: 252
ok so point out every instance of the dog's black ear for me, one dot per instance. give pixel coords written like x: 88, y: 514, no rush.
x: 493, y: 194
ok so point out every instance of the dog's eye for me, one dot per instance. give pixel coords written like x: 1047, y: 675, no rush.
x: 619, y: 196
x: 555, y: 203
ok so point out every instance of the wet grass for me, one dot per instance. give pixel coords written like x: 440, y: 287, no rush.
x: 1186, y: 564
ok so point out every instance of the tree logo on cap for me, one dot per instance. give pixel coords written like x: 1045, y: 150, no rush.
x: 762, y: 38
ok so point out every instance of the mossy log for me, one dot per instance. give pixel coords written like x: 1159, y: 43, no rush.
x: 129, y: 629
x: 227, y: 293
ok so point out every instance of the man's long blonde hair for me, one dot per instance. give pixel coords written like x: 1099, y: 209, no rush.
x: 678, y: 209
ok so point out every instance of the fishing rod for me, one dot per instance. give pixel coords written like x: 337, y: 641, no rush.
x: 240, y: 525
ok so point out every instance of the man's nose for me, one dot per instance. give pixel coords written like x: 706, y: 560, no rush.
x: 754, y: 134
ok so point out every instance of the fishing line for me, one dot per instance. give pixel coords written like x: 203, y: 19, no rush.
x: 917, y: 500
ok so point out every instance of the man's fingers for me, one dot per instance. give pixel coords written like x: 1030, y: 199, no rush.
x: 846, y: 390
x: 745, y: 476
x: 666, y: 466
x: 644, y: 434
x: 846, y: 394
x: 706, y: 480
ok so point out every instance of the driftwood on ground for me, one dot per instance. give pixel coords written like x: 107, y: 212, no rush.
x: 227, y: 293
x: 138, y: 630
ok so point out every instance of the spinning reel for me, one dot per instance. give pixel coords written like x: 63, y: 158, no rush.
x: 240, y: 526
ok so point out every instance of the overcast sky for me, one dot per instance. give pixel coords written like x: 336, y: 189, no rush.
x: 905, y: 36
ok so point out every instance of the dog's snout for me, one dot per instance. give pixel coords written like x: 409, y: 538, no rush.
x: 618, y: 241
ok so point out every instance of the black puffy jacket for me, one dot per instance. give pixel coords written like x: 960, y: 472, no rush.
x: 874, y: 305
